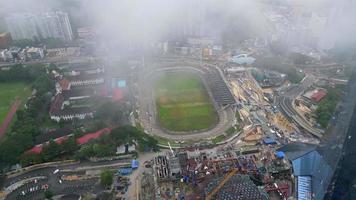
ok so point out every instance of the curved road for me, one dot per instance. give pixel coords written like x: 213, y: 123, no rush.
x: 285, y: 102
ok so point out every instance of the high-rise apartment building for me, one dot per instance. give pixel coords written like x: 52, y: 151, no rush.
x: 190, y: 22
x: 44, y: 25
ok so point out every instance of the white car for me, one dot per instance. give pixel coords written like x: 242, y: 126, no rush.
x: 56, y: 171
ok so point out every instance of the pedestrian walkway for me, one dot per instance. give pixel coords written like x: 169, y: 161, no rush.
x: 9, y: 117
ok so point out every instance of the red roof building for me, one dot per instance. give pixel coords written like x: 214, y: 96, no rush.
x: 318, y: 96
x: 86, y: 138
x: 82, y: 140
x: 36, y: 149
x: 117, y: 94
x: 5, y: 40
x: 64, y: 84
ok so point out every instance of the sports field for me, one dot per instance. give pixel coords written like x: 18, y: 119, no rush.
x: 9, y: 92
x: 183, y: 103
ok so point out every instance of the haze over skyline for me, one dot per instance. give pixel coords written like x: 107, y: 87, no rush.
x: 139, y: 21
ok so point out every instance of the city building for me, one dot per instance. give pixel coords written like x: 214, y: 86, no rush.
x: 243, y: 59
x: 55, y: 25
x: 87, y: 79
x: 191, y: 21
x: 314, y: 96
x: 5, y: 39
x: 38, y: 26
x: 35, y: 53
x: 86, y: 32
x: 17, y: 53
x: 21, y: 54
x: 75, y: 92
x: 5, y: 55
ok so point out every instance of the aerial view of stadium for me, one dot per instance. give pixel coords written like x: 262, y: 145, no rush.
x: 182, y: 99
x: 183, y: 103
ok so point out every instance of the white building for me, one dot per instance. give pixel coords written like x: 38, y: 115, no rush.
x: 35, y: 53
x: 5, y: 55
x: 44, y: 25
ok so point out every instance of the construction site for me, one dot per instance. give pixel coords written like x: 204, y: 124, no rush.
x: 248, y: 166
x: 221, y: 173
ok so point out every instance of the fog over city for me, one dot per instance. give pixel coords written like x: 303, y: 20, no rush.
x: 178, y: 99
x: 147, y: 21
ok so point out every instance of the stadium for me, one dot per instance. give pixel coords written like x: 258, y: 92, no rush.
x: 184, y: 101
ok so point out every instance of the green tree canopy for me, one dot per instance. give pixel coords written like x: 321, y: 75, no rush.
x: 48, y: 194
x: 51, y: 151
x: 106, y: 178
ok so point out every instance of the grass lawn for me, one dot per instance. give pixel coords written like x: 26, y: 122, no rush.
x: 8, y: 93
x: 183, y: 103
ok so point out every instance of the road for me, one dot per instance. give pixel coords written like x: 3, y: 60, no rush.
x: 59, y: 60
x: 53, y: 179
x: 134, y: 177
x: 286, y: 106
x: 285, y: 103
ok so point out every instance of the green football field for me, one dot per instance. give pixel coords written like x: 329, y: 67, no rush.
x: 8, y: 94
x: 183, y: 103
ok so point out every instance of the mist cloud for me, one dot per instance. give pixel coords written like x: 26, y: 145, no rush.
x: 137, y: 21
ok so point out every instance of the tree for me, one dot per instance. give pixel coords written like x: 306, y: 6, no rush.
x: 327, y: 106
x: 13, y: 146
x: 48, y: 194
x: 102, y: 150
x: 69, y: 145
x: 106, y: 178
x: 109, y: 112
x: 51, y: 150
x: 28, y: 159
x: 43, y: 84
x: 62, y: 123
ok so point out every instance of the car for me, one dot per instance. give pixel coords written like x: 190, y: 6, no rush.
x: 56, y: 171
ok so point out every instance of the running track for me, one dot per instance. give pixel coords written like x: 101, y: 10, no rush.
x: 9, y: 117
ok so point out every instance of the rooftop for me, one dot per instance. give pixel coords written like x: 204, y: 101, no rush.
x: 86, y: 138
x: 33, y: 50
x: 64, y: 83
x: 4, y: 34
x: 51, y: 135
x: 243, y: 59
x: 236, y: 188
x: 84, y: 77
x: 76, y: 92
x: 316, y: 94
